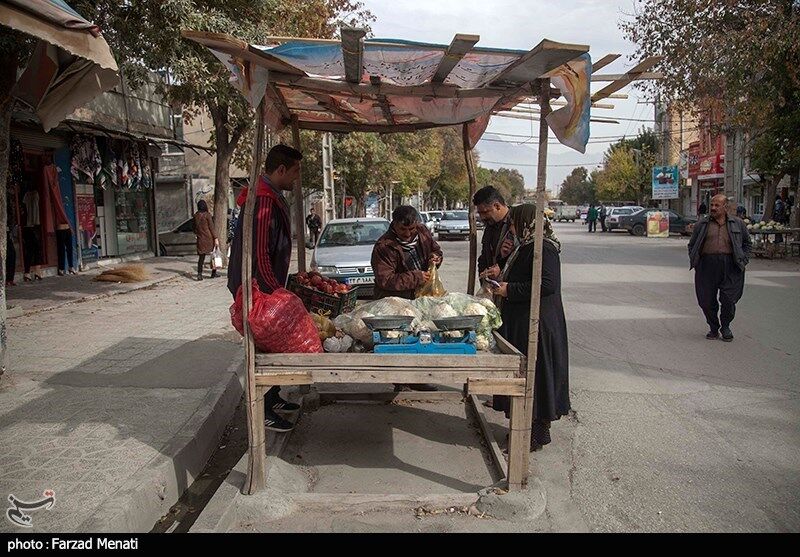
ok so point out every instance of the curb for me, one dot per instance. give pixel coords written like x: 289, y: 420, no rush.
x: 151, y: 492
x: 22, y: 313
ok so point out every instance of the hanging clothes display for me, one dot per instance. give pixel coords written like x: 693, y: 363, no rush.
x: 146, y: 171
x: 60, y: 221
x: 108, y: 169
x: 86, y: 160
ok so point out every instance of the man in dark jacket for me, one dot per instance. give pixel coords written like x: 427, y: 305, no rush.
x: 498, y: 239
x: 314, y: 224
x: 401, y: 261
x: 272, y: 249
x: 402, y: 257
x: 719, y: 251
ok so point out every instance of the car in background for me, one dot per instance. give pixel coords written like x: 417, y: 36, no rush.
x: 181, y: 240
x: 344, y: 251
x: 428, y: 221
x: 636, y: 223
x: 454, y: 224
x: 437, y: 215
x: 613, y: 215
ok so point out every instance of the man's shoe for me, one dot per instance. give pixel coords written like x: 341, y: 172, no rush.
x: 727, y: 335
x: 214, y: 273
x: 200, y: 276
x: 712, y: 335
x: 273, y: 422
x: 280, y: 405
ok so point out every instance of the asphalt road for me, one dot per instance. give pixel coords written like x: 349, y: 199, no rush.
x: 671, y: 432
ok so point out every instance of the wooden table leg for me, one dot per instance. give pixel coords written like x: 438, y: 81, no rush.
x: 519, y: 444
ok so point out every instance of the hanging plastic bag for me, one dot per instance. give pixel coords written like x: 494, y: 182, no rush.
x: 216, y: 256
x: 279, y: 321
x: 323, y: 324
x: 433, y: 287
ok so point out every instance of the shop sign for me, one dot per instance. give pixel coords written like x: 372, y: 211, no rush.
x: 665, y: 182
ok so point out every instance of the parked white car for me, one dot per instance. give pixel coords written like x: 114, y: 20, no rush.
x: 429, y: 221
x: 614, y: 213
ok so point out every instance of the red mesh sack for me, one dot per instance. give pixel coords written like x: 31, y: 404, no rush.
x: 279, y: 321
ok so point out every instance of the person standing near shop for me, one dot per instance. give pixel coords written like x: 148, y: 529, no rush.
x: 702, y: 210
x: 402, y: 260
x: 719, y: 251
x: 206, y: 238
x: 498, y: 240
x: 314, y: 224
x: 271, y: 250
x: 551, y: 383
x: 591, y: 218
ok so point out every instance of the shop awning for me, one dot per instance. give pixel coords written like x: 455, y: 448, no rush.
x: 71, y: 64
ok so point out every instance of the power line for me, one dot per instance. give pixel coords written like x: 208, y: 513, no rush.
x: 548, y: 166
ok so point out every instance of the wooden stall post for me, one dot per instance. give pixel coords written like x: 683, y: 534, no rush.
x: 522, y: 408
x: 298, y: 205
x: 256, y: 436
x: 473, y: 233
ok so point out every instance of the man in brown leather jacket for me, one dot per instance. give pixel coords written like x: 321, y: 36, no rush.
x: 402, y: 257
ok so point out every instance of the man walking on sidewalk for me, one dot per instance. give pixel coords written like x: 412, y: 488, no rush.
x: 719, y: 251
x: 272, y: 250
x: 314, y: 224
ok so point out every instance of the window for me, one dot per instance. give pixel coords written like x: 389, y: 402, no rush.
x: 758, y: 204
x: 353, y: 233
x: 456, y: 215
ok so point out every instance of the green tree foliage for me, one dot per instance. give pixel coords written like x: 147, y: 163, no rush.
x: 145, y: 35
x: 739, y: 55
x: 627, y: 169
x: 578, y: 188
x: 509, y: 181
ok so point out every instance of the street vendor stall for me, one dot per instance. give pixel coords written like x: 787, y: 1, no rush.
x: 771, y: 240
x: 390, y: 86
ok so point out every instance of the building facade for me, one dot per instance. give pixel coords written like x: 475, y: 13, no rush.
x: 99, y: 170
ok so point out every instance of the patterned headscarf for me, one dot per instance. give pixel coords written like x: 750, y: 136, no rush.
x: 523, y: 217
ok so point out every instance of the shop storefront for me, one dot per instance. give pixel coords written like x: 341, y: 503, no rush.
x: 40, y: 205
x: 80, y: 195
x: 114, y: 190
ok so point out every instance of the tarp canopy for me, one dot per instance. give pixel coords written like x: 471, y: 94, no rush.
x: 389, y: 85
x: 71, y: 64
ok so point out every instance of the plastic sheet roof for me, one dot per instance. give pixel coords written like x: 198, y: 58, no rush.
x: 389, y: 85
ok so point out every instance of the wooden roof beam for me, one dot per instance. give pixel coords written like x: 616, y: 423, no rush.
x: 331, y: 105
x: 435, y: 90
x: 547, y: 54
x: 459, y: 47
x: 635, y: 73
x: 353, y: 53
x: 618, y: 76
x: 278, y: 99
x: 604, y: 61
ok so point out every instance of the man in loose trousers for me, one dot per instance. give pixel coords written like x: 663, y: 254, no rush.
x: 719, y: 251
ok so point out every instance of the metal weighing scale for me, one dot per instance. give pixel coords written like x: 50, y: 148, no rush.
x: 392, y: 334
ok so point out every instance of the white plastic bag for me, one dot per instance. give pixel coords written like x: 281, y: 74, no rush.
x: 216, y: 256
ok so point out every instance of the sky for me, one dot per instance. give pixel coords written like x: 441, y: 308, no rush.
x: 522, y: 24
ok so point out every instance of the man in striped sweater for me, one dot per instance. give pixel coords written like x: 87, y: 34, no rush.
x: 272, y: 249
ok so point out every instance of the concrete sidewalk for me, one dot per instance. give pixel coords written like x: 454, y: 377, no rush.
x: 117, y: 402
x: 54, y: 292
